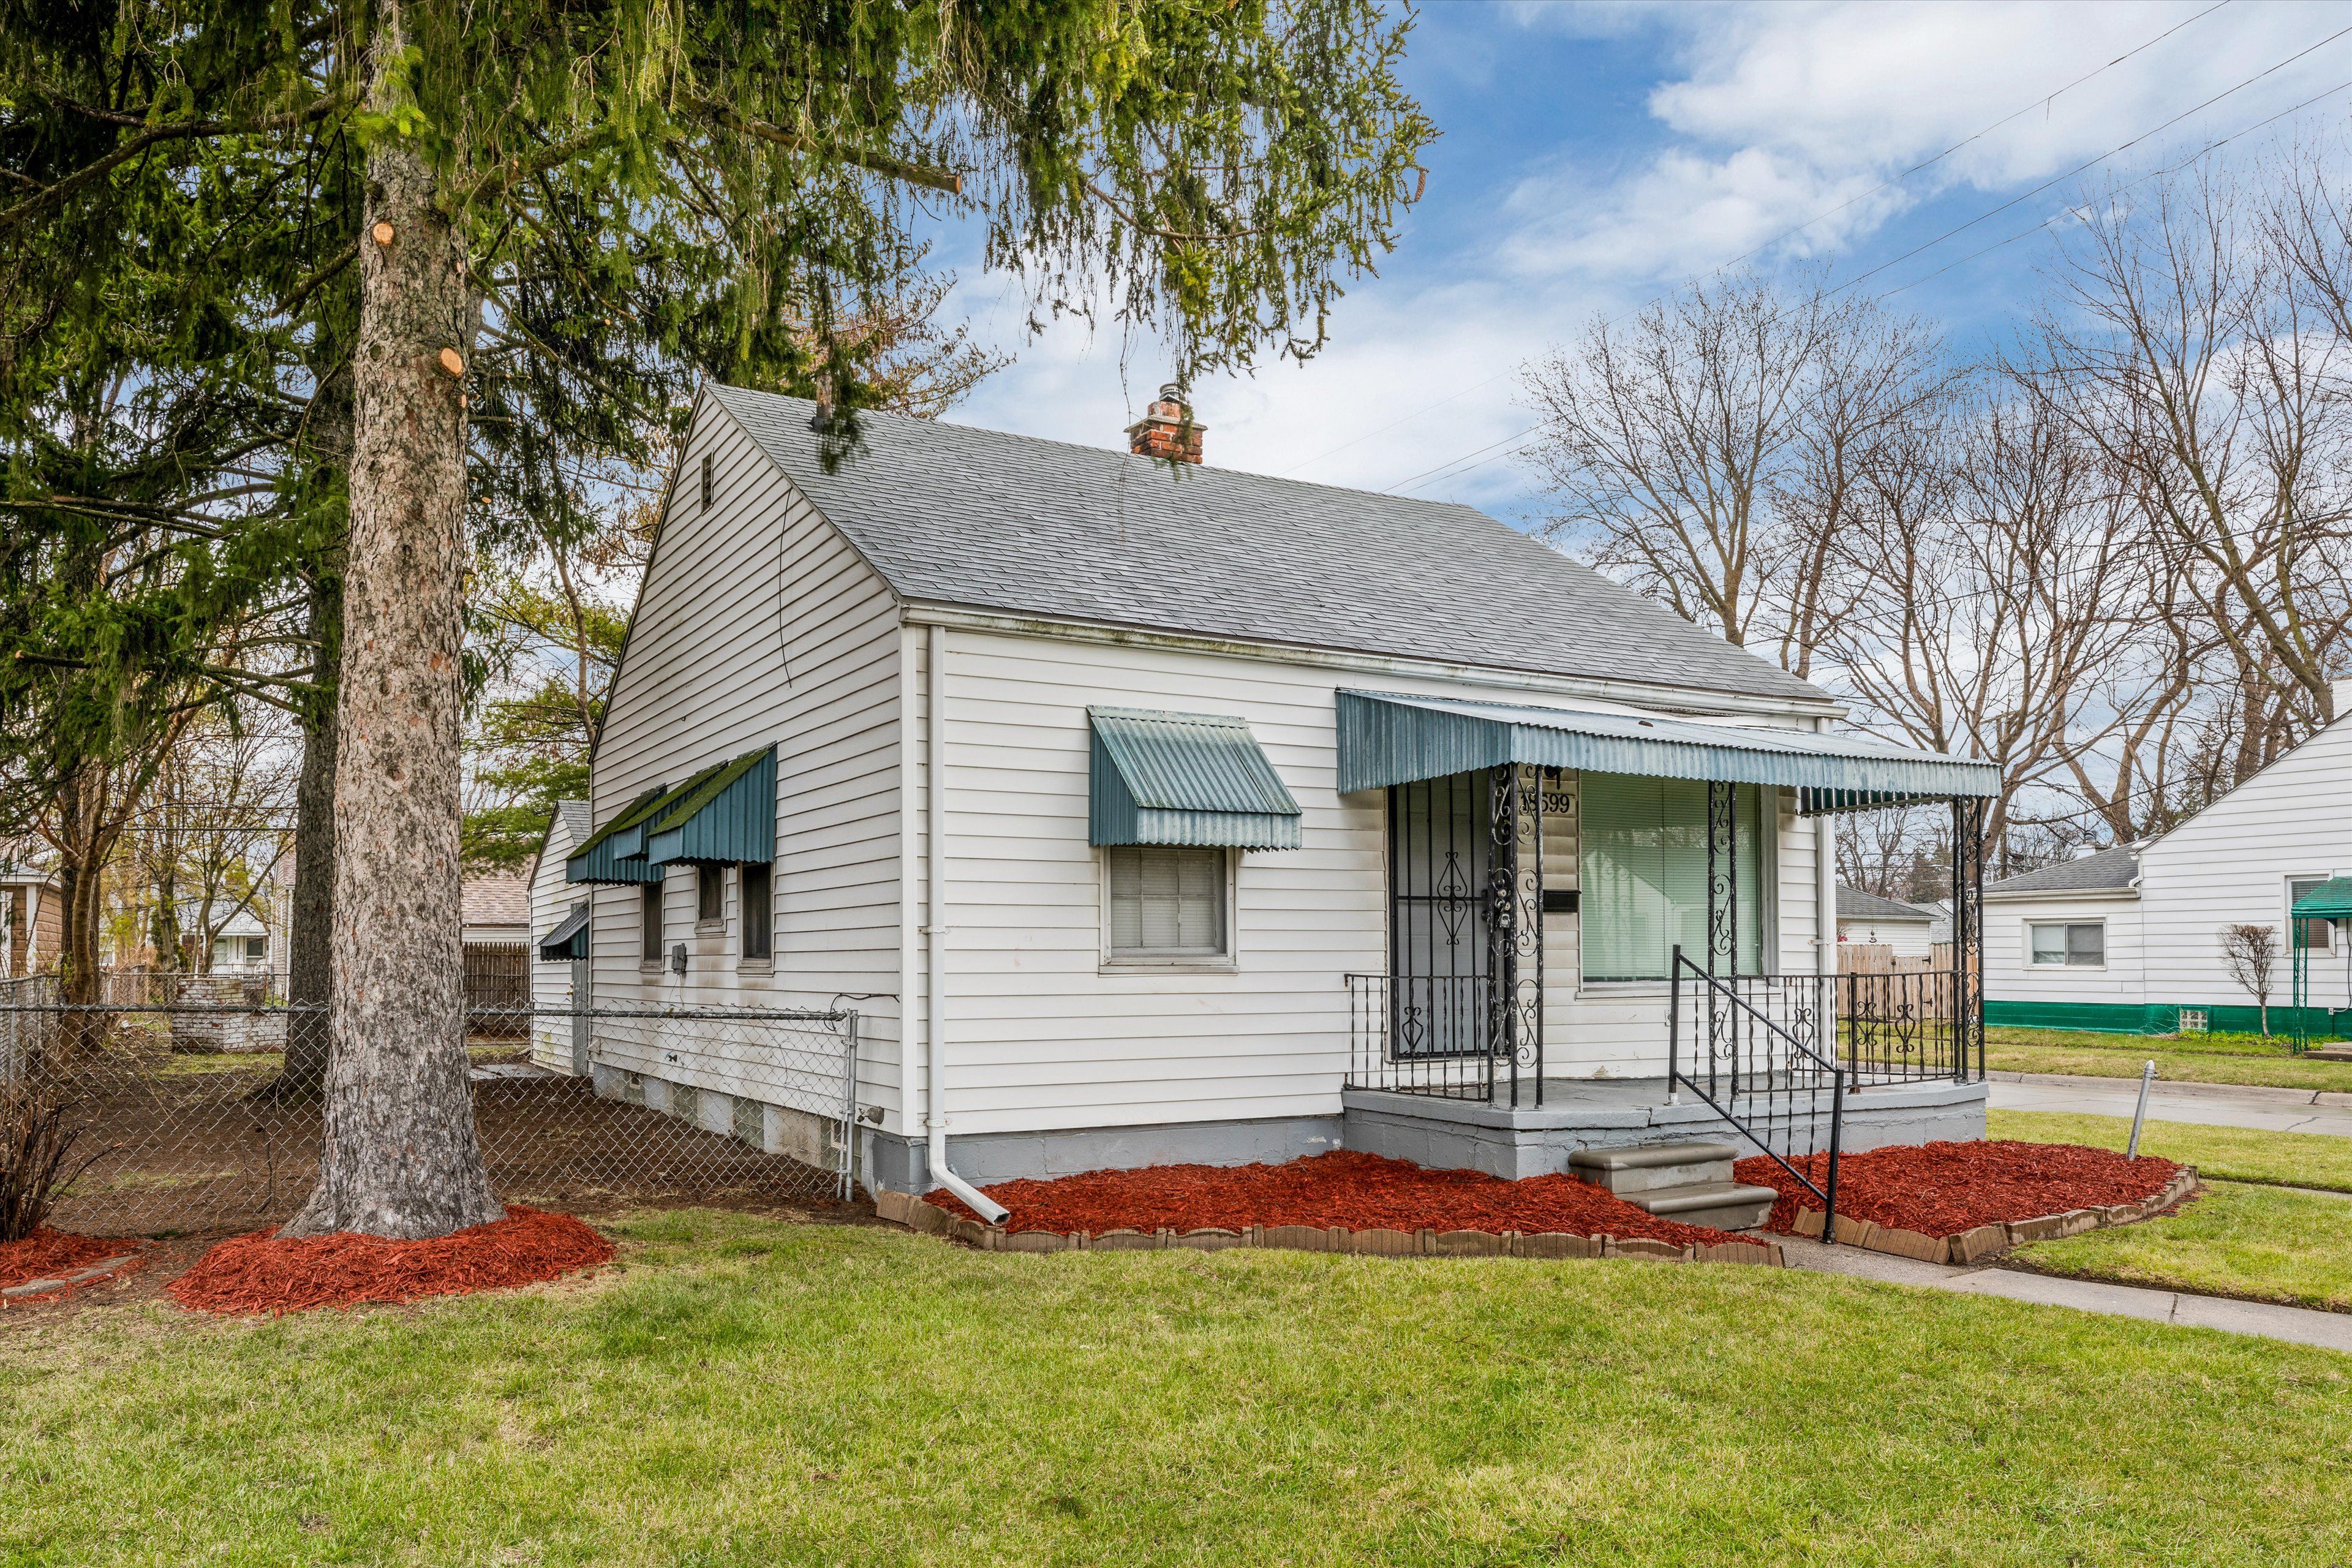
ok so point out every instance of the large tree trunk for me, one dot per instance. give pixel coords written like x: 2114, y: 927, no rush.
x: 400, y: 1157
x: 309, y: 957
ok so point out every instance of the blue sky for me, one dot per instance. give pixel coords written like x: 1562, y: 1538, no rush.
x: 1594, y: 154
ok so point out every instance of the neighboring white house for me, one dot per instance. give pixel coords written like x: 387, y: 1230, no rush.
x: 558, y: 936
x: 2129, y: 938
x: 241, y: 946
x: 1907, y: 929
x: 1147, y: 812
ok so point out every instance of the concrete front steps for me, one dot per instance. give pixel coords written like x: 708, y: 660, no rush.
x: 1691, y: 1183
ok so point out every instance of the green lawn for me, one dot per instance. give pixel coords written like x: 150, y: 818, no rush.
x: 2181, y: 1059
x: 2230, y: 1154
x: 751, y: 1391
x: 2261, y: 1243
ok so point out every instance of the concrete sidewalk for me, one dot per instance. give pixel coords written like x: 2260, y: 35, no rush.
x: 2327, y: 1111
x: 2302, y: 1325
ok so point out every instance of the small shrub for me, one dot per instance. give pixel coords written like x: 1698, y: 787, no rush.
x: 35, y: 1144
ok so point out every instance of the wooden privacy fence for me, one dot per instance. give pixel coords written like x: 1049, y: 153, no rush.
x: 498, y: 986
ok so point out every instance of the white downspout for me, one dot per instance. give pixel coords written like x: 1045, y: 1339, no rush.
x: 980, y: 1203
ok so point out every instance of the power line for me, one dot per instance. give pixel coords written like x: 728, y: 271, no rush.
x: 1887, y: 183
x: 2168, y: 169
x: 1451, y: 463
x: 2093, y: 164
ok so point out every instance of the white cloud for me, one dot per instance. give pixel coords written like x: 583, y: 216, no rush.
x: 1761, y: 117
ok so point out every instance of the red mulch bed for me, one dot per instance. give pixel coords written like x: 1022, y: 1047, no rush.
x: 52, y: 1254
x: 251, y: 1275
x: 47, y: 1254
x: 1346, y: 1187
x: 1942, y: 1189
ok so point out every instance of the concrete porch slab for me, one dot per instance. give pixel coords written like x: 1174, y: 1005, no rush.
x: 1525, y: 1141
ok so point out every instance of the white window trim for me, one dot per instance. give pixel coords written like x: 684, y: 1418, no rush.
x: 2287, y: 919
x: 756, y: 967
x: 1768, y: 930
x: 1110, y: 963
x: 716, y: 924
x: 2025, y: 940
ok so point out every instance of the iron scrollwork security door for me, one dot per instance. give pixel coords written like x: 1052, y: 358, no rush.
x: 1440, y: 852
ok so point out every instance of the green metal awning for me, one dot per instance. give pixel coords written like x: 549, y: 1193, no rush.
x: 725, y: 814
x: 568, y: 941
x: 1184, y: 778
x: 1389, y: 737
x: 601, y: 858
x: 2332, y: 900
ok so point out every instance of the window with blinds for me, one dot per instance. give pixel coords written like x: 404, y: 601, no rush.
x: 1644, y: 876
x: 1165, y: 901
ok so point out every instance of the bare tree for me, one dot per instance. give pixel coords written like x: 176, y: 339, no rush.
x: 2190, y: 344
x: 2250, y: 954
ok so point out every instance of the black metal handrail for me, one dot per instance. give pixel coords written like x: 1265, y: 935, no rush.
x: 1427, y: 1035
x: 1789, y: 1069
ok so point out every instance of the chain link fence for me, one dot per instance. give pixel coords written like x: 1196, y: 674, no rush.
x: 191, y: 1121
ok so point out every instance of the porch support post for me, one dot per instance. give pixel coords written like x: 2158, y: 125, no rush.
x: 1515, y: 925
x: 1968, y: 935
x: 1722, y: 879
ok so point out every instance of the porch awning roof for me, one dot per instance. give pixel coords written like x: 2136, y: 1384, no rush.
x: 1184, y: 778
x: 568, y: 940
x: 1388, y: 738
x: 615, y: 852
x: 725, y: 814
x: 2332, y: 900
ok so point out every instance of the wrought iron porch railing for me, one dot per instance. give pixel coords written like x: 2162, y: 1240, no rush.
x: 1909, y: 1026
x: 1738, y: 1048
x: 1430, y: 1035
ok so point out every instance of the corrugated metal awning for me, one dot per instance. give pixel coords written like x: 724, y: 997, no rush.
x: 601, y: 860
x: 568, y: 941
x: 2332, y: 900
x: 1388, y: 738
x: 1184, y: 778
x: 726, y: 814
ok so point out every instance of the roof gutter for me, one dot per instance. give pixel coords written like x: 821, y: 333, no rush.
x: 1634, y: 693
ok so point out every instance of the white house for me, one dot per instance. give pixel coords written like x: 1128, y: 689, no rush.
x: 1149, y: 812
x: 2128, y: 939
x: 1907, y: 929
x: 559, y: 934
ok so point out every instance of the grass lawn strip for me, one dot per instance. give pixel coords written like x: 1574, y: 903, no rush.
x: 2245, y: 1060
x: 2224, y: 1154
x: 745, y: 1390
x: 2253, y: 1243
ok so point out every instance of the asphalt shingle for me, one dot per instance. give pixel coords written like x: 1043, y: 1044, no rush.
x: 2105, y: 871
x: 952, y: 514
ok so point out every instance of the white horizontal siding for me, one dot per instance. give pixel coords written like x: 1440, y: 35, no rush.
x: 551, y: 984
x: 2230, y: 864
x: 2010, y: 976
x: 1042, y: 1036
x: 757, y: 623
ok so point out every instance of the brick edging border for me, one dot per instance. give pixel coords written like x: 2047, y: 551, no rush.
x: 1986, y: 1240
x: 44, y: 1290
x: 904, y: 1208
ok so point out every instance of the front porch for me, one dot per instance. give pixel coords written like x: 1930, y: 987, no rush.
x: 1609, y: 930
x: 1531, y: 1140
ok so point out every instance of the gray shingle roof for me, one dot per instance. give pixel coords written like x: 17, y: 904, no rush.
x: 956, y: 515
x: 1853, y: 904
x: 578, y: 821
x: 2106, y: 871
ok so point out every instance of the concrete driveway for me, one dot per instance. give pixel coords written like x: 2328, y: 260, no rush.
x: 2215, y: 1105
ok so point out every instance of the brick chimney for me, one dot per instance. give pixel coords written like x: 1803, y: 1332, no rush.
x: 1166, y: 429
